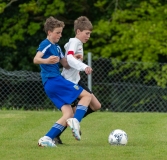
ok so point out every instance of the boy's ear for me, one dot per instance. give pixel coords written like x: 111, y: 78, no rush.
x: 49, y: 33
x: 78, y: 31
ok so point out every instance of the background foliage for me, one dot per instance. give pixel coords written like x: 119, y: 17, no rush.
x: 129, y: 30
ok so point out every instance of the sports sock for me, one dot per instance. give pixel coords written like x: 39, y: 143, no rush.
x: 55, y: 130
x: 62, y: 131
x: 88, y: 111
x: 80, y: 112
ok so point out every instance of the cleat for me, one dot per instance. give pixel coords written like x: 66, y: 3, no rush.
x: 57, y: 140
x: 73, y: 123
x: 46, y: 142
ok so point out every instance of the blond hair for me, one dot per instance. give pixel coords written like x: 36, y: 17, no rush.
x: 82, y: 23
x: 51, y: 23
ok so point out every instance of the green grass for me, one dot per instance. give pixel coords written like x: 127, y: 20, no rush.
x: 147, y: 133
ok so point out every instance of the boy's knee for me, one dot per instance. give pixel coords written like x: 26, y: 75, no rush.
x: 90, y: 96
x: 99, y: 106
x: 71, y: 115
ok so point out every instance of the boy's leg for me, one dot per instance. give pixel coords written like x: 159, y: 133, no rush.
x: 82, y: 106
x: 57, y: 138
x: 94, y: 104
x: 69, y: 92
x: 57, y: 128
x: 85, y: 98
x: 89, y: 111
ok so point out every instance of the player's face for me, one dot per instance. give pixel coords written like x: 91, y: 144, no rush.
x: 84, y: 35
x: 55, y: 36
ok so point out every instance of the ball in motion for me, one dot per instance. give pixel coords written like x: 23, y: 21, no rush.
x: 118, y: 137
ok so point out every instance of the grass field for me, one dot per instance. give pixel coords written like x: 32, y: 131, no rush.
x: 147, y: 133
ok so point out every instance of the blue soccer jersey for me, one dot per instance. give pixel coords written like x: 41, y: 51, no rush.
x: 57, y: 88
x: 49, y: 49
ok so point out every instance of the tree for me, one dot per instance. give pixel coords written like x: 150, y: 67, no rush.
x: 130, y: 30
x: 22, y: 27
x: 135, y: 35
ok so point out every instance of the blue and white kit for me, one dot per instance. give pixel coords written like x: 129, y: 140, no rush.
x: 58, y: 89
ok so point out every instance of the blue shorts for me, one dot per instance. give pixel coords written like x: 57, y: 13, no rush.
x: 61, y: 91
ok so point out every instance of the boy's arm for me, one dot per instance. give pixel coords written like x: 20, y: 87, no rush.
x: 71, y: 50
x: 64, y: 63
x: 74, y: 63
x: 50, y: 60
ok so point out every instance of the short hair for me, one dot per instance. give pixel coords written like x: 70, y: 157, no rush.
x: 82, y: 23
x: 51, y: 23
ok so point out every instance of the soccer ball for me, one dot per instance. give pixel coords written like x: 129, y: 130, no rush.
x: 118, y: 137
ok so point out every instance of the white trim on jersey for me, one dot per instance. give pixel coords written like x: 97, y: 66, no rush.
x: 44, y: 50
x: 60, y: 52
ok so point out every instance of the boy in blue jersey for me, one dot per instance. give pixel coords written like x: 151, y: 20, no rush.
x: 61, y: 91
x: 82, y: 28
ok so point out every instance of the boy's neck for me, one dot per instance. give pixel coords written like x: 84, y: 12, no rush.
x: 50, y: 40
x: 78, y: 38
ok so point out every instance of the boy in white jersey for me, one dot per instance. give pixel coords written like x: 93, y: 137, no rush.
x: 83, y: 28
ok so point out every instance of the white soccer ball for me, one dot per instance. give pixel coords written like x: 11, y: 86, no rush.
x: 118, y: 137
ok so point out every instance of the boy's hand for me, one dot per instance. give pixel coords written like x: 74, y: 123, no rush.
x: 53, y: 59
x: 88, y: 70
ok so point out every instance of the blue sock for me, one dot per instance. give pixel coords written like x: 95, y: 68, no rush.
x: 80, y: 112
x: 55, y: 130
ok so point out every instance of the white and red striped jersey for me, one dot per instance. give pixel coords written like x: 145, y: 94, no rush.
x: 74, y: 46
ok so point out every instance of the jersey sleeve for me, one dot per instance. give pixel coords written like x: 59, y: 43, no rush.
x: 43, y: 47
x: 74, y: 63
x: 72, y: 47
